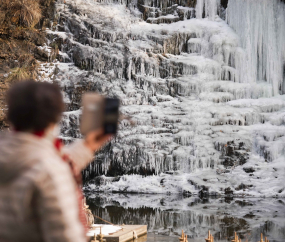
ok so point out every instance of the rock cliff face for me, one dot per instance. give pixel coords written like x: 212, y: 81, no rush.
x: 177, y: 67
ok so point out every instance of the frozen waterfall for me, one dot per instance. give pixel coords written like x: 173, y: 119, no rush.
x: 202, y: 93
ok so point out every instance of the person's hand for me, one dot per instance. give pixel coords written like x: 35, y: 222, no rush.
x: 97, y: 139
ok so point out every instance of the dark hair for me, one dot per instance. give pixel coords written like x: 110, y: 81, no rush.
x: 33, y: 106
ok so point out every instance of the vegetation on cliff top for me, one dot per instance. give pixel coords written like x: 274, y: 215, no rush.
x: 19, y: 36
x: 24, y: 13
x: 21, y: 25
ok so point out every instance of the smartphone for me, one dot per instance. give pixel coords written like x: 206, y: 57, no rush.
x: 99, y: 112
x: 111, y: 116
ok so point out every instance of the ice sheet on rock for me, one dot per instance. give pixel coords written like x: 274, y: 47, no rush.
x: 277, y: 118
x: 265, y: 182
x: 196, y: 64
x: 217, y: 33
x: 239, y: 90
x: 118, y: 17
x: 62, y: 35
x: 216, y: 97
x: 150, y: 184
x: 264, y: 104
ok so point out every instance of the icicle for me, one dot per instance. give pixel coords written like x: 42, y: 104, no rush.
x: 207, y: 8
x: 261, y: 27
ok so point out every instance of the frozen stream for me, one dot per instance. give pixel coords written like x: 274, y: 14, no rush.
x: 166, y: 216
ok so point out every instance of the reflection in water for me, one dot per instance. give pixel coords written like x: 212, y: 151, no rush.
x: 166, y: 216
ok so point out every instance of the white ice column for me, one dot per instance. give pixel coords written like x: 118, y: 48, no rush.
x: 261, y: 28
x: 208, y: 7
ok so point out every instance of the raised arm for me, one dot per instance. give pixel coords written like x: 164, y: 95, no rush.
x: 81, y: 152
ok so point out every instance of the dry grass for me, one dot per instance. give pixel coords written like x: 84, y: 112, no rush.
x: 19, y: 36
x: 25, y: 13
x: 18, y: 74
x: 21, y: 73
x: 26, y: 69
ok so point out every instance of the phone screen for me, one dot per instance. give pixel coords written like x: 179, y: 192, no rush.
x: 111, y: 115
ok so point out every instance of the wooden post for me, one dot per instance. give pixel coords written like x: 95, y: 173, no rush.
x: 94, y: 239
x: 101, y: 236
x: 261, y: 237
x: 236, y: 239
x: 184, y: 237
x: 181, y: 239
x: 210, y: 237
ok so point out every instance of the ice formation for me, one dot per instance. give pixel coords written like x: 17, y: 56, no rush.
x: 261, y: 28
x: 204, y: 95
x: 207, y: 8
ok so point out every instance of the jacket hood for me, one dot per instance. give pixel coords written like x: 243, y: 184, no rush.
x: 18, y: 154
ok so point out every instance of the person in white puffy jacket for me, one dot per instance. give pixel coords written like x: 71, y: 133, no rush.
x: 39, y: 195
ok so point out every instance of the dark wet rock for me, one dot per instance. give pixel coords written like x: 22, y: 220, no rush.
x: 45, y: 54
x: 40, y: 40
x: 233, y: 153
x: 194, y: 184
x: 229, y: 192
x: 243, y: 187
x: 281, y: 190
x: 229, y: 199
x: 249, y: 169
x: 224, y: 3
x: 162, y: 181
x: 249, y: 215
x: 186, y: 193
x: 244, y: 203
x: 169, y: 172
x: 204, y: 192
